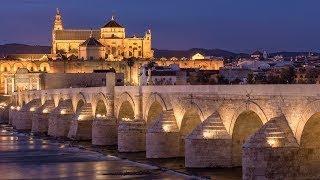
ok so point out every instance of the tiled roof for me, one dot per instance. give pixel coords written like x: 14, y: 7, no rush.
x: 112, y: 23
x: 92, y: 42
x: 76, y: 34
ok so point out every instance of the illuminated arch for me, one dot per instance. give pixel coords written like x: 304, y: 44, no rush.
x: 125, y: 97
x: 97, y: 102
x: 5, y: 67
x: 247, y: 106
x: 246, y: 124
x: 77, y: 99
x: 45, y: 67
x: 154, y: 97
x: 311, y: 109
x: 17, y: 66
x: 32, y: 67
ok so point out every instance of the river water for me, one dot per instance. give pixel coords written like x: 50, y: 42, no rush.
x: 24, y: 156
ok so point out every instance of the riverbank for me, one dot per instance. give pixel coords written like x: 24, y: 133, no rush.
x: 159, y: 167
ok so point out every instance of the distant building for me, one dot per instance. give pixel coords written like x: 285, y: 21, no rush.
x: 112, y: 36
x: 197, y: 56
x: 24, y: 80
x: 257, y: 55
x: 232, y: 74
x: 162, y: 75
x: 265, y: 55
x: 91, y: 49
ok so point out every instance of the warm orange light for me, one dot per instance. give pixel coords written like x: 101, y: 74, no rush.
x: 207, y: 134
x: 63, y: 111
x: 166, y: 127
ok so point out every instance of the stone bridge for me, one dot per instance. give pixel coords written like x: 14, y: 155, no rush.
x: 272, y: 131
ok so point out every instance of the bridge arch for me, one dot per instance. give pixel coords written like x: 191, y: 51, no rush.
x: 76, y: 99
x: 190, y: 120
x: 153, y: 112
x: 243, y: 107
x: 45, y: 97
x: 126, y: 107
x: 126, y: 111
x: 246, y: 124
x: 154, y: 100
x: 309, y: 150
x: 99, y: 104
x: 311, y: 109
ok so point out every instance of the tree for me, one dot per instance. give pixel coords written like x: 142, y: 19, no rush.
x: 130, y: 63
x: 250, y: 78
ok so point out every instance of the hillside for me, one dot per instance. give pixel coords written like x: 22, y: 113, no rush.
x: 23, y: 49
x: 14, y: 48
x: 191, y: 52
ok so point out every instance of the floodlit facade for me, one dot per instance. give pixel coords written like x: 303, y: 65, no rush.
x: 112, y: 36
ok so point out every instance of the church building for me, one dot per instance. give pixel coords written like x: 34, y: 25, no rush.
x: 109, y: 42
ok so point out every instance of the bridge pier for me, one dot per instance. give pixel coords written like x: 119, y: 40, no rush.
x: 81, y: 124
x: 104, y: 131
x: 12, y: 113
x: 163, y: 137
x: 209, y: 145
x: 271, y: 153
x: 41, y: 117
x: 23, y: 118
x: 132, y: 136
x: 4, y: 112
x: 60, y: 119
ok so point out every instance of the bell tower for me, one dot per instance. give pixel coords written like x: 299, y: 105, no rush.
x: 58, y: 21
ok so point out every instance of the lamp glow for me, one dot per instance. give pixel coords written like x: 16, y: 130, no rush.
x: 207, y: 134
x: 32, y: 109
x: 63, y: 111
x: 166, y: 127
x: 126, y: 119
x: 45, y: 111
x: 272, y: 142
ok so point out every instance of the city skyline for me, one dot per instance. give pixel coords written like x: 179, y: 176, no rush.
x: 234, y: 26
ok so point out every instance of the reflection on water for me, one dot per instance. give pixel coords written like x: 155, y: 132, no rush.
x: 23, y: 157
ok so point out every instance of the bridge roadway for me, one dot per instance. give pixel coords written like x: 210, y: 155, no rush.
x: 272, y: 131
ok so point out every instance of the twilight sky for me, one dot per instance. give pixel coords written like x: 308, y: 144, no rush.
x: 236, y: 25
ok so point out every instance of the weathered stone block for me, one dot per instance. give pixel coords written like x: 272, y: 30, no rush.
x: 40, y: 123
x: 105, y: 131
x: 132, y: 136
x: 163, y: 144
x: 59, y: 125
x: 203, y: 153
x: 23, y: 120
x: 80, y: 130
x: 4, y: 114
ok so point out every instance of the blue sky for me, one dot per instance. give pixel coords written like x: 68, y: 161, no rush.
x: 236, y: 25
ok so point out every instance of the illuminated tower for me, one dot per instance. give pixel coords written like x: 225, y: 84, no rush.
x: 58, y: 21
x: 56, y: 27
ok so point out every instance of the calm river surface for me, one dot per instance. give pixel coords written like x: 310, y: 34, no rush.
x: 23, y: 156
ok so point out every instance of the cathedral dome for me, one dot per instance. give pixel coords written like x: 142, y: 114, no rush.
x: 92, y: 42
x: 112, y: 24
